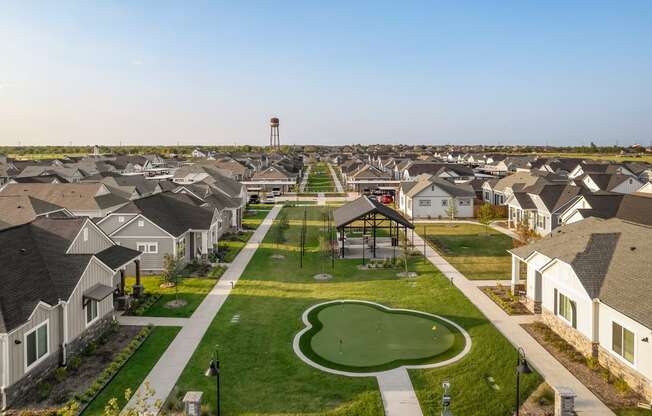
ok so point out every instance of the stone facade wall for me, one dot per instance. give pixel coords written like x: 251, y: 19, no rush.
x: 34, y: 377
x: 533, y: 305
x: 617, y: 367
x: 568, y: 333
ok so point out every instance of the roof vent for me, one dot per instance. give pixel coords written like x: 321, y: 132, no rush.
x: 23, y: 250
x: 632, y: 248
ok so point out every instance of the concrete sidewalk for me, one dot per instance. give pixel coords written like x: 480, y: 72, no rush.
x: 167, y: 370
x: 399, y: 398
x: 554, y: 373
x: 304, y: 180
x: 151, y: 320
x: 336, y: 180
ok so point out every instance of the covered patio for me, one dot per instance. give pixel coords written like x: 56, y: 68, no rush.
x: 367, y: 228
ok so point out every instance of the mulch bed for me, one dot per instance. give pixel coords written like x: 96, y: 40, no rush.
x: 594, y: 379
x: 76, y: 381
x: 502, y: 296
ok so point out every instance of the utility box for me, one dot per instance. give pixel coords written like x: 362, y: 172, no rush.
x: 564, y: 401
x: 192, y: 403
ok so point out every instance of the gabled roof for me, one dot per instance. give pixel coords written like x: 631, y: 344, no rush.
x: 607, y: 181
x: 174, y: 213
x: 463, y: 190
x: 362, y: 206
x: 21, y: 209
x: 611, y: 258
x: 35, y: 267
x: 271, y: 173
x: 368, y: 172
x: 73, y: 196
x: 117, y: 256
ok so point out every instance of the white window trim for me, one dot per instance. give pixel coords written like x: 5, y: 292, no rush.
x: 140, y: 223
x: 147, y: 244
x: 614, y: 353
x: 85, y: 234
x: 121, y: 219
x: 97, y: 316
x: 46, y: 355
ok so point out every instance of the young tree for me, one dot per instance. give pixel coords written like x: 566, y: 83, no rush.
x: 324, y: 249
x: 172, y: 272
x: 526, y: 235
x: 279, y: 234
x: 485, y: 215
x: 451, y: 211
x: 142, y: 403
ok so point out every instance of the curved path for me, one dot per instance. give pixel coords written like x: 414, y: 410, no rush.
x: 167, y: 370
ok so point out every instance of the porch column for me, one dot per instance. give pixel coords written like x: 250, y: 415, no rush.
x: 138, y: 287
x: 516, y: 273
x: 122, y: 282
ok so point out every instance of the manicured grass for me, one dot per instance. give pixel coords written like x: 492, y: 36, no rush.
x: 361, y: 337
x: 260, y: 374
x: 191, y: 289
x: 475, y: 251
x: 320, y: 179
x: 232, y: 244
x: 253, y: 217
x: 134, y: 371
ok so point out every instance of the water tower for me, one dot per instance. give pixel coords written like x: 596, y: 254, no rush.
x: 274, y: 138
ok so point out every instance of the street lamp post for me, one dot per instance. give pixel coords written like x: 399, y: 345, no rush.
x: 521, y: 368
x: 446, y: 399
x: 214, y: 371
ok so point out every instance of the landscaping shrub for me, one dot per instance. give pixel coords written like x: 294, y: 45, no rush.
x: 74, y: 363
x: 90, y: 348
x: 621, y: 386
x: 592, y: 363
x: 44, y: 390
x: 606, y: 375
x: 60, y: 374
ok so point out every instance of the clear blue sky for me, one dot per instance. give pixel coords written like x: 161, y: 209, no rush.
x: 334, y: 72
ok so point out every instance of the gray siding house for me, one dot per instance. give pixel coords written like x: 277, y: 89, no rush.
x: 164, y: 223
x: 55, y: 296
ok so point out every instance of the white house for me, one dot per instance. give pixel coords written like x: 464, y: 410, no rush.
x: 431, y: 197
x: 590, y: 281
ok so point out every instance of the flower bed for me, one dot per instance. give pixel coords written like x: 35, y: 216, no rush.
x: 503, y: 297
x: 610, y: 389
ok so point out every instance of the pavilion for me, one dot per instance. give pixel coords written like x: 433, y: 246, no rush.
x: 368, y: 216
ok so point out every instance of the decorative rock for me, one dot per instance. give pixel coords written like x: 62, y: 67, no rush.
x: 278, y: 256
x: 407, y: 274
x: 322, y: 276
x: 174, y: 304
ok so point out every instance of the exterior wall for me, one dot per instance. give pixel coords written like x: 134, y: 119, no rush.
x: 94, y: 274
x: 436, y: 197
x: 96, y: 241
x: 532, y: 293
x: 148, y: 229
x: 629, y: 186
x: 638, y: 374
x: 17, y: 376
x: 112, y: 223
x: 149, y: 261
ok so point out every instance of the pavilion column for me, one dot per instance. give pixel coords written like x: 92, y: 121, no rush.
x: 138, y: 287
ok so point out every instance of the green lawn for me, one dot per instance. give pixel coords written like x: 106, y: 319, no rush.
x: 133, y: 373
x: 477, y: 252
x: 260, y: 374
x: 232, y: 243
x: 320, y: 179
x: 191, y: 289
x: 255, y: 215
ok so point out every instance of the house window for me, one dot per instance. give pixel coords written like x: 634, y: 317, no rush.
x: 121, y: 219
x: 444, y: 202
x: 567, y: 309
x: 141, y: 223
x: 85, y: 234
x: 622, y: 342
x: 36, y: 345
x: 149, y: 248
x: 424, y: 203
x: 465, y: 202
x: 91, y: 311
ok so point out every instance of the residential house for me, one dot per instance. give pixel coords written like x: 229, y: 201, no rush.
x: 274, y: 179
x: 433, y: 197
x: 590, y: 281
x: 21, y: 209
x: 611, y: 182
x: 633, y: 207
x: 497, y: 192
x: 164, y: 223
x: 58, y: 278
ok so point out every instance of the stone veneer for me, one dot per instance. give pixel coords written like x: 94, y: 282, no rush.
x: 533, y: 305
x: 605, y: 357
x: 618, y: 367
x: 35, y: 376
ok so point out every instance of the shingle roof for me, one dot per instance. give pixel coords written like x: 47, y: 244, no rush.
x: 611, y: 258
x: 35, y: 267
x: 453, y: 189
x: 73, y: 196
x: 362, y: 206
x: 117, y: 256
x: 21, y: 209
x: 175, y: 213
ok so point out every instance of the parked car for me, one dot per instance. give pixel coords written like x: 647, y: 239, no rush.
x: 269, y: 199
x: 386, y: 199
x: 254, y: 199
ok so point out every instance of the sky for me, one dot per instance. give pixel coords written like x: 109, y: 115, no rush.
x: 336, y: 72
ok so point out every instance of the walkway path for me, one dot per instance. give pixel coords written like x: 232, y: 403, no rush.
x: 336, y: 180
x: 167, y: 370
x: 555, y: 374
x: 304, y: 180
x: 492, y: 225
x: 399, y: 398
x: 321, y: 198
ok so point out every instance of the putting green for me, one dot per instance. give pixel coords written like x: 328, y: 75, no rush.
x: 363, y: 337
